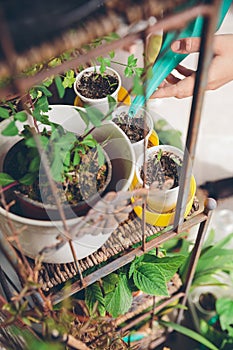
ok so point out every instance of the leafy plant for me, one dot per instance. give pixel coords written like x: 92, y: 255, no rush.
x: 190, y: 333
x: 168, y: 135
x: 148, y: 273
x: 215, y: 257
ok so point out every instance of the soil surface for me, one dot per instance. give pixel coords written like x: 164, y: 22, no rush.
x: 86, y: 180
x: 132, y: 127
x: 94, y: 85
x: 163, y: 170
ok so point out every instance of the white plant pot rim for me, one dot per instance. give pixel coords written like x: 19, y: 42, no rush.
x: 59, y: 223
x: 35, y: 222
x: 92, y: 69
x: 149, y: 152
x: 149, y: 121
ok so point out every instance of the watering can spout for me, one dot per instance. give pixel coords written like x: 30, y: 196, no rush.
x: 167, y: 60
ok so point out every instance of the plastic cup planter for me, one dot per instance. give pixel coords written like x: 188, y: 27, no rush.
x: 36, y: 234
x: 139, y: 145
x: 155, y: 218
x: 100, y: 103
x: 161, y: 201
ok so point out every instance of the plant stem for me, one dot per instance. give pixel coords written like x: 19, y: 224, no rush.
x: 3, y: 189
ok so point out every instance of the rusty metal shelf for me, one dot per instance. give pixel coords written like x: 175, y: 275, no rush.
x: 18, y: 84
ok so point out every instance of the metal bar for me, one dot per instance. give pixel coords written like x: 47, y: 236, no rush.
x: 154, y: 344
x: 210, y: 205
x: 60, y: 295
x: 206, y: 53
x: 168, y: 23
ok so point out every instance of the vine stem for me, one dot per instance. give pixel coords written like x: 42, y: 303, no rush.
x: 5, y: 188
x: 46, y: 167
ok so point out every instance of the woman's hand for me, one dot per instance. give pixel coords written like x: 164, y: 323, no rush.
x: 220, y: 72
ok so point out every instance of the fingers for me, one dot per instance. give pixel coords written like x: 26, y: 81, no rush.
x: 184, y: 71
x: 183, y: 88
x: 186, y: 45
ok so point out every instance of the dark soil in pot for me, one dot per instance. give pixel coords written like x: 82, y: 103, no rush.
x: 163, y: 170
x: 77, y: 194
x: 94, y: 85
x: 132, y: 127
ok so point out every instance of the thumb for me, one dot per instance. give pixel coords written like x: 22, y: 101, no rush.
x: 186, y: 45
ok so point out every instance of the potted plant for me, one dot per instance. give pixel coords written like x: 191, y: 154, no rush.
x: 92, y: 86
x: 39, y: 234
x: 163, y: 164
x: 135, y: 128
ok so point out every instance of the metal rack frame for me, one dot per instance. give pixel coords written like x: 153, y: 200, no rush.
x: 174, y: 21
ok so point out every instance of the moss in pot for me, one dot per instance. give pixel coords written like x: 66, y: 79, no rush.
x: 78, y: 167
x: 163, y: 166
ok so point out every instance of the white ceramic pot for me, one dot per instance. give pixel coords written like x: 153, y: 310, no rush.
x: 137, y: 146
x: 36, y: 235
x: 100, y: 103
x: 161, y: 201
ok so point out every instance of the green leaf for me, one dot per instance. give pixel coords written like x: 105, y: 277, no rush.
x: 189, y: 333
x: 48, y: 82
x: 4, y: 113
x: 5, y: 179
x: 171, y: 137
x: 77, y: 158
x: 132, y: 61
x: 224, y: 308
x: 57, y: 167
x: 111, y: 54
x: 110, y: 282
x: 94, y: 294
x: 21, y: 116
x: 168, y: 265
x: 95, y: 116
x: 134, y: 264
x: 43, y: 104
x: 150, y: 279
x: 89, y: 141
x: 28, y: 178
x: 160, y: 124
x: 111, y: 105
x: 44, y: 89
x: 206, y: 280
x: 119, y: 301
x: 60, y: 86
x: 10, y: 130
x: 209, y: 239
x: 138, y: 88
x: 34, y: 164
x: 138, y: 71
x: 128, y: 72
x: 67, y: 159
x: 218, y: 245
x: 101, y: 156
x: 69, y: 79
x: 83, y: 115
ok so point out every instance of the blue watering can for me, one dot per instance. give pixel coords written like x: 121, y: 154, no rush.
x: 166, y: 62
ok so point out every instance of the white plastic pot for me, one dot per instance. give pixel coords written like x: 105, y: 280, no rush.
x: 137, y: 146
x: 36, y: 235
x: 100, y: 103
x: 161, y: 201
